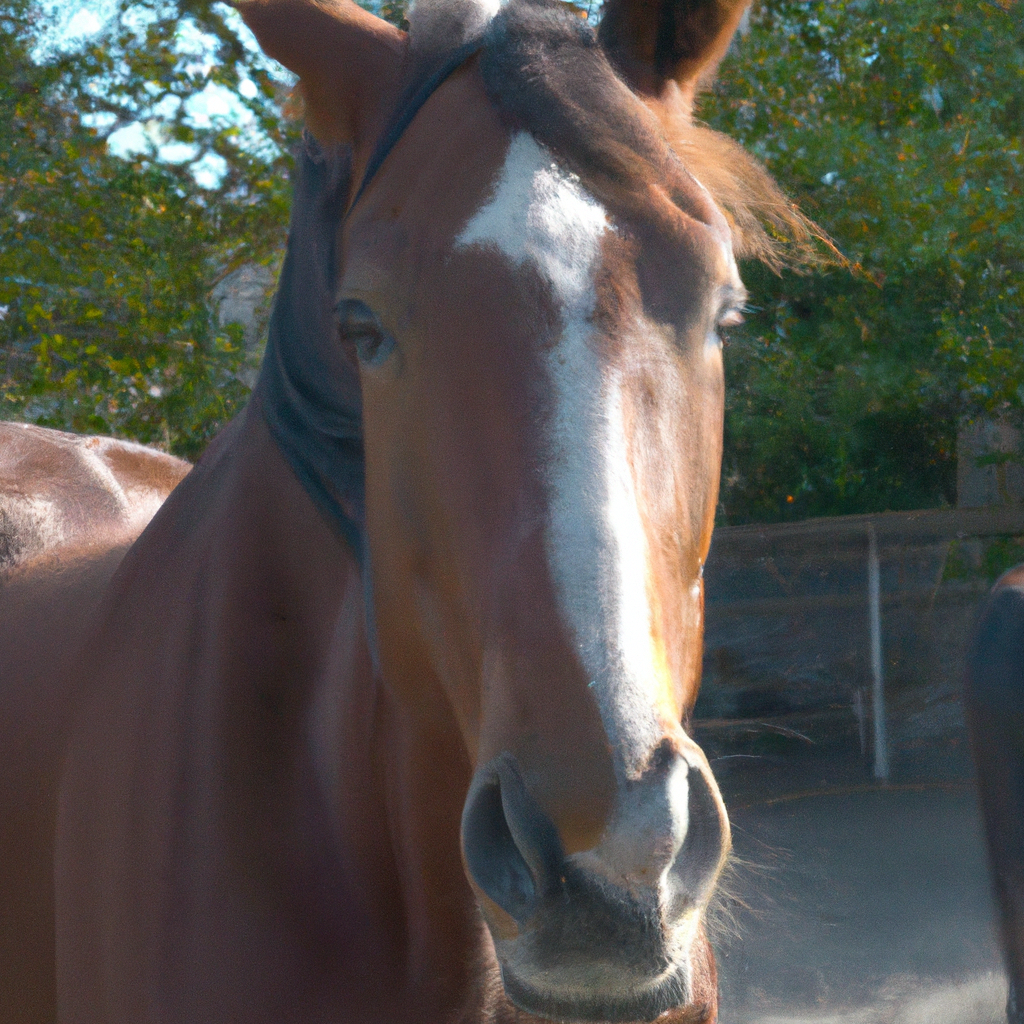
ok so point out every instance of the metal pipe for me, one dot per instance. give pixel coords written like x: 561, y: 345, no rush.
x: 877, y: 677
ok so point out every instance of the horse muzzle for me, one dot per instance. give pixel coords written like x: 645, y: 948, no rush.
x: 609, y: 934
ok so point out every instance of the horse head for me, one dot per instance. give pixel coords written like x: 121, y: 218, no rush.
x: 528, y: 280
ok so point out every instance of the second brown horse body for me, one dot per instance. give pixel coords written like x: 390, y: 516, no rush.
x: 62, y: 493
x: 69, y: 508
x: 383, y: 718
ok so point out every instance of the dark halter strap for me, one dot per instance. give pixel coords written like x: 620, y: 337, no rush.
x: 422, y: 86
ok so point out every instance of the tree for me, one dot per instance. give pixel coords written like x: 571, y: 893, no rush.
x: 105, y: 261
x: 900, y: 128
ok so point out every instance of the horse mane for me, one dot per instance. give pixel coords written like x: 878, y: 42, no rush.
x: 767, y: 225
x: 309, y: 390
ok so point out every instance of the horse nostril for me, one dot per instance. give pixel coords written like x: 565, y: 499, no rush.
x: 662, y: 757
x: 698, y: 862
x: 492, y: 857
x: 511, y: 847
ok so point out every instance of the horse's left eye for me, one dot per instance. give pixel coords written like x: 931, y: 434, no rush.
x: 731, y: 319
x: 361, y: 328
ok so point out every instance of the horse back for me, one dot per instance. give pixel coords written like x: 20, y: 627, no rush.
x: 61, y: 490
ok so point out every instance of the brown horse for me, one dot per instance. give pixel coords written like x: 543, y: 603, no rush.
x: 994, y: 702
x: 384, y: 718
x: 63, y: 492
x: 69, y: 508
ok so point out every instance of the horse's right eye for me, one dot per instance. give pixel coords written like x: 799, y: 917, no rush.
x: 361, y: 328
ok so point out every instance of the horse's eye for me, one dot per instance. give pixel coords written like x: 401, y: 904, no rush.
x: 362, y: 329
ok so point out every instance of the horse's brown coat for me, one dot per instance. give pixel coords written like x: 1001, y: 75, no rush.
x: 62, y: 491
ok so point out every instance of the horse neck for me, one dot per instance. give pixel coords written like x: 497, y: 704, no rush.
x: 390, y: 782
x: 383, y: 785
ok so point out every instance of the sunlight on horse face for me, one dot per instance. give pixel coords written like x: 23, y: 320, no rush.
x: 543, y: 447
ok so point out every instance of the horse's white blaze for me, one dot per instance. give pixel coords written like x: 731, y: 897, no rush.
x: 540, y: 214
x: 638, y: 676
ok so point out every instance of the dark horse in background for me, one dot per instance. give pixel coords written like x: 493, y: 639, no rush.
x: 994, y: 701
x: 383, y: 717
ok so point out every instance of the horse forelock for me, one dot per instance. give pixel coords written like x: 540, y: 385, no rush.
x: 546, y: 71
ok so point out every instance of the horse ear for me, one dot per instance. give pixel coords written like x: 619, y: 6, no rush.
x: 348, y: 61
x: 652, y: 43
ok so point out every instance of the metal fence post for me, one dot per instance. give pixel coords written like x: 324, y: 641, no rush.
x: 877, y: 677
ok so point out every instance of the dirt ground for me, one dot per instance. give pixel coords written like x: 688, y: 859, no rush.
x: 857, y: 905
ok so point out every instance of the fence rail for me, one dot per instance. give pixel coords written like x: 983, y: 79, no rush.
x: 890, y: 527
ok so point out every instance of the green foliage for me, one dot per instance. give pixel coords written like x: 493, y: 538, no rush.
x: 899, y: 126
x: 106, y: 262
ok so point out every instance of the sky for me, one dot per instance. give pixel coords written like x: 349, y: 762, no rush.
x: 75, y: 22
